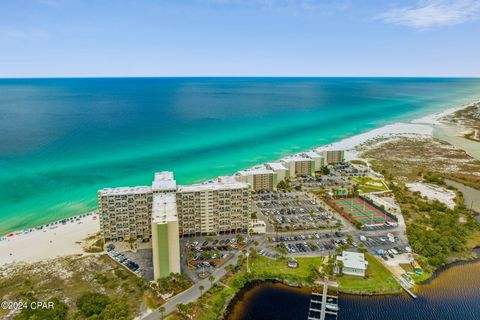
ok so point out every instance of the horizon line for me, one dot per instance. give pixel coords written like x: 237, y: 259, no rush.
x: 235, y: 77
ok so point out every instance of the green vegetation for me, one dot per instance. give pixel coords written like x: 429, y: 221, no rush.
x: 174, y: 283
x: 359, y: 162
x: 264, y: 268
x: 438, y: 234
x: 214, y: 301
x: 98, y: 306
x: 325, y: 170
x: 367, y: 184
x: 94, y: 244
x: 378, y: 280
x: 58, y: 312
x: 74, y: 284
x: 435, y: 231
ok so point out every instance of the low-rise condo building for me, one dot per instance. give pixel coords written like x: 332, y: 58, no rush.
x: 299, y: 166
x: 259, y: 179
x: 318, y: 159
x: 280, y: 170
x: 333, y: 156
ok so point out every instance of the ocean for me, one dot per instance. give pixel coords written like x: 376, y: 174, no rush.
x: 63, y: 139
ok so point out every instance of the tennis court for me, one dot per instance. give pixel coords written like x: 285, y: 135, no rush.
x: 356, y: 209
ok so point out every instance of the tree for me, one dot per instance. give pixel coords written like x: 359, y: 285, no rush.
x: 325, y: 170
x: 240, y: 238
x: 59, y: 312
x: 349, y: 239
x: 211, y: 278
x: 282, y: 185
x: 92, y: 303
x: 186, y: 309
x: 201, y: 289
x: 162, y: 310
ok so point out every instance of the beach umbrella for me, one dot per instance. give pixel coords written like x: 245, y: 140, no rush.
x: 10, y: 235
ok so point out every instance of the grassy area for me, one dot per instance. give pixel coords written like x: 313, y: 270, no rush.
x: 378, y: 280
x: 367, y: 184
x: 359, y: 162
x: 94, y: 244
x: 68, y: 278
x: 473, y: 241
x: 212, y: 304
x: 407, y: 159
x: 265, y: 268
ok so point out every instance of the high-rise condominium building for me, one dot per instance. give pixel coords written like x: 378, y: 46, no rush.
x: 125, y: 213
x: 203, y: 209
x: 213, y: 208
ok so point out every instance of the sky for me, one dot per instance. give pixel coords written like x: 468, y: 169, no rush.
x: 115, y: 38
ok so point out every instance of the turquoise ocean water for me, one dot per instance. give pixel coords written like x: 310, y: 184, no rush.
x: 63, y: 139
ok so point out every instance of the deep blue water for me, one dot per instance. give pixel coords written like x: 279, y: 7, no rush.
x: 63, y: 139
x: 454, y: 294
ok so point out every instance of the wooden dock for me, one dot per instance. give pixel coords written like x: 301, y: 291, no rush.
x: 322, y: 305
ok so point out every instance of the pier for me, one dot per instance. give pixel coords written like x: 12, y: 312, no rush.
x: 322, y: 305
x: 406, y: 286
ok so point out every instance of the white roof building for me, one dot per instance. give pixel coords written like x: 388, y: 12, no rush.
x: 354, y: 263
x: 164, y: 181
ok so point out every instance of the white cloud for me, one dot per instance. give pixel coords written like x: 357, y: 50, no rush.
x: 433, y: 13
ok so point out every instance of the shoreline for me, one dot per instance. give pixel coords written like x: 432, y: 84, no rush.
x: 424, y: 126
x: 48, y: 242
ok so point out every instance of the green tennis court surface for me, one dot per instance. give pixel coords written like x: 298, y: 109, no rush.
x: 356, y: 209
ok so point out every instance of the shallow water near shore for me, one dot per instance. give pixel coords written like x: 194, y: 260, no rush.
x: 454, y: 293
x: 63, y: 139
x: 455, y: 136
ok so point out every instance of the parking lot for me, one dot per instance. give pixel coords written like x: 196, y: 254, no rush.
x: 324, y: 243
x: 204, y: 254
x: 311, y: 243
x: 139, y: 262
x: 293, y: 210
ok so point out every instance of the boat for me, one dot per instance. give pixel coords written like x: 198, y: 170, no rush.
x: 332, y: 307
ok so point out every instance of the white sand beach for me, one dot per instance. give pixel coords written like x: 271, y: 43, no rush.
x: 45, y: 244
x: 400, y: 128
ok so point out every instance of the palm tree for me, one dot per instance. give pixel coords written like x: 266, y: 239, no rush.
x: 162, y: 311
x: 211, y: 278
x: 201, y: 289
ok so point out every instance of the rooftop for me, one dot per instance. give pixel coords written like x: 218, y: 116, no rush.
x: 253, y: 171
x: 164, y: 207
x: 353, y: 260
x: 312, y: 154
x: 124, y: 190
x: 164, y: 181
x: 296, y: 158
x: 276, y: 166
x: 212, y: 185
